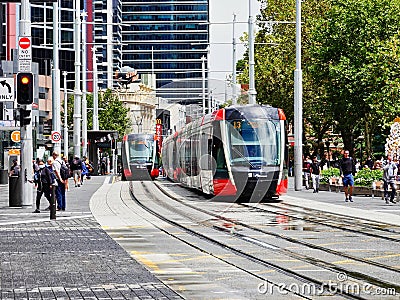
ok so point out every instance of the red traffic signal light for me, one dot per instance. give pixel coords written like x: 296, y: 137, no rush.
x: 24, y: 88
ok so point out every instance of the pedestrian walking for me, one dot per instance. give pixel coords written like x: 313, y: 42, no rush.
x: 306, y: 171
x: 291, y: 166
x: 347, y: 170
x: 44, y: 179
x: 315, y: 169
x: 60, y: 170
x: 85, y: 170
x: 389, y: 178
x: 76, y: 167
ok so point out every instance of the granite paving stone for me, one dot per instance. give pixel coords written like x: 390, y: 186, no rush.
x: 71, y: 257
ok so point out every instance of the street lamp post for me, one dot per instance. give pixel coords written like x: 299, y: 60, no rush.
x: 203, y: 82
x: 298, y: 105
x: 65, y: 115
x: 95, y: 93
x: 234, y: 100
x: 84, y: 87
x: 77, y: 91
x: 56, y: 102
x: 252, y: 88
x: 26, y: 130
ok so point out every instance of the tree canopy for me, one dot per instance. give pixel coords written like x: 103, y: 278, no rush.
x: 355, y: 55
x: 112, y: 114
x: 350, y: 54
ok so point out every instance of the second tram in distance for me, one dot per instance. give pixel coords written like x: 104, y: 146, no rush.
x: 140, y: 157
x: 237, y: 151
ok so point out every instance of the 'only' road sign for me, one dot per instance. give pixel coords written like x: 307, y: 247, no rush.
x: 7, y: 89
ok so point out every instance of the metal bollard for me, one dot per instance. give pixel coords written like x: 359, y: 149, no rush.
x: 53, y: 203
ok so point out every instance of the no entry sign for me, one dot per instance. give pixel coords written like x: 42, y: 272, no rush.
x: 24, y: 53
x: 24, y: 42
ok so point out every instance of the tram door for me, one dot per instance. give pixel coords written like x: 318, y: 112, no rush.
x: 205, y: 161
x: 221, y: 170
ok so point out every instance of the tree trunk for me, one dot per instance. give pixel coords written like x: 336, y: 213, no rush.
x: 368, y: 138
x: 348, y: 141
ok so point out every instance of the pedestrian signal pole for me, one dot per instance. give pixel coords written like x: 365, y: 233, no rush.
x: 25, y: 99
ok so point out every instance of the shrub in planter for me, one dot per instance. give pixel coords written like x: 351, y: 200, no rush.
x: 365, y: 177
x: 329, y: 173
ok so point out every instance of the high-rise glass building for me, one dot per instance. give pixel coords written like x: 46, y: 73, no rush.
x: 103, y: 33
x: 167, y: 38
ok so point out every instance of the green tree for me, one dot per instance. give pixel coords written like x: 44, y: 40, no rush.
x: 354, y: 58
x: 112, y: 114
x: 275, y: 62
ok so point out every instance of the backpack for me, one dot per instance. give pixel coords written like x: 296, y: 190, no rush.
x: 75, y: 162
x: 64, y: 171
x: 36, y: 176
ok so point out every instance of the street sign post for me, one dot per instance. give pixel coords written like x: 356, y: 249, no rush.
x: 24, y: 54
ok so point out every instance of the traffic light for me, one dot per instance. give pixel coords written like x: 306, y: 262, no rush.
x: 24, y: 117
x: 24, y: 88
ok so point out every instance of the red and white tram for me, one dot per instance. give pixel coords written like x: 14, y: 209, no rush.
x: 237, y: 151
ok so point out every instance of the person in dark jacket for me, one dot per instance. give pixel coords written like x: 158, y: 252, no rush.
x: 315, y: 172
x: 347, y: 170
x: 44, y: 179
x: 369, y: 162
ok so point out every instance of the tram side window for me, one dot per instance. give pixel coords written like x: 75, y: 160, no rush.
x: 195, y: 141
x: 182, y: 156
x: 188, y: 157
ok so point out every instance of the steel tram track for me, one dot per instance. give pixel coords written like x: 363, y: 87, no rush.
x: 317, y: 219
x: 323, y: 264
x: 319, y: 263
x: 329, y: 217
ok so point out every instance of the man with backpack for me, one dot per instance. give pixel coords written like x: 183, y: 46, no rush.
x: 44, y: 179
x: 61, y: 171
x: 76, y: 167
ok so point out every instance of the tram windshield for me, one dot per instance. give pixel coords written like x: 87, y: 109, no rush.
x: 140, y: 151
x: 256, y: 143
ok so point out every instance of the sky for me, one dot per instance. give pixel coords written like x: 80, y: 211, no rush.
x: 220, y: 59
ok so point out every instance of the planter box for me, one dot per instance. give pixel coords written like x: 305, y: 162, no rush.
x: 334, y: 188
x: 362, y: 190
x: 324, y: 187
